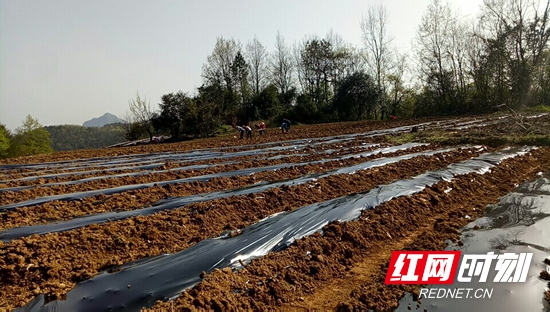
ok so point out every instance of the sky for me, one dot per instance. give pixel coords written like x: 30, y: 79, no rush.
x: 65, y: 62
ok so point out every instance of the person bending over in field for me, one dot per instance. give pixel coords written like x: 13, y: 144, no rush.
x: 241, y: 131
x: 248, y: 132
x: 285, y: 127
x: 287, y: 122
x: 261, y: 128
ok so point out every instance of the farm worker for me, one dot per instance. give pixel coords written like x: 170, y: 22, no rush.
x: 287, y: 123
x: 241, y: 131
x: 248, y: 132
x: 285, y: 127
x: 262, y: 128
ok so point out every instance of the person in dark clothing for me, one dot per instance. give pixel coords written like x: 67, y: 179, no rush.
x: 287, y: 122
x: 285, y: 127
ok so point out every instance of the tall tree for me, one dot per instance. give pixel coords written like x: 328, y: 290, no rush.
x: 346, y: 59
x: 204, y: 115
x: 282, y: 66
x: 257, y: 57
x: 217, y: 69
x: 142, y: 114
x: 356, y: 97
x: 440, y: 51
x: 378, y: 48
x: 516, y: 33
x: 317, y: 60
x: 397, y: 91
x: 176, y: 114
x: 542, y: 81
x: 218, y: 73
x: 480, y: 91
x: 239, y: 72
x: 266, y: 104
x: 297, y: 49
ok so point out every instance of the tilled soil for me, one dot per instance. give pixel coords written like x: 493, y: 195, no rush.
x: 346, y: 266
x: 343, y: 268
x: 273, y: 135
x: 53, y: 263
x: 64, y: 210
x: 41, y: 175
x: 9, y: 197
x: 532, y: 130
x: 230, y: 141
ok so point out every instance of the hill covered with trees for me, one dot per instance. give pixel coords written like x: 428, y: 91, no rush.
x: 73, y: 137
x: 32, y: 138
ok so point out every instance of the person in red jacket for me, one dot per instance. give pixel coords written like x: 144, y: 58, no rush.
x: 261, y: 128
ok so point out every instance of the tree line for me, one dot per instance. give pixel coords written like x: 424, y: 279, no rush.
x: 74, y: 137
x: 497, y: 60
x: 32, y: 138
x: 29, y: 139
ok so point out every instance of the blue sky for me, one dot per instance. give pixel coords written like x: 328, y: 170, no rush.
x: 65, y: 62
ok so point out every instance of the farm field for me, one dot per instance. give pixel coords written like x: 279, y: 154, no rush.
x: 302, y: 220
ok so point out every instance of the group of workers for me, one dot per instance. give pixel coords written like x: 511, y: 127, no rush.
x: 245, y: 129
x: 261, y: 128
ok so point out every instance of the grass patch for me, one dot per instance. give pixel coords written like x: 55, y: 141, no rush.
x: 540, y: 109
x: 224, y: 130
x: 401, y: 138
x: 532, y: 139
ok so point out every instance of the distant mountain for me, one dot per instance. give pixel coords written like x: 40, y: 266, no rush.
x: 102, y: 121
